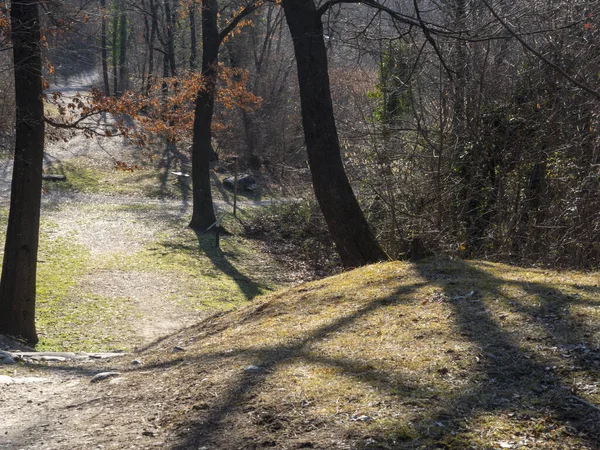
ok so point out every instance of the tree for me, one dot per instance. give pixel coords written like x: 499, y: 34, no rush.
x: 18, y: 282
x: 103, y: 49
x: 203, y: 214
x: 350, y: 231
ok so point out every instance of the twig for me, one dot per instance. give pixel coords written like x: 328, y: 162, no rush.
x: 580, y: 85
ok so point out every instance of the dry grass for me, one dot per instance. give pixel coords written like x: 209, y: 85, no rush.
x: 437, y: 355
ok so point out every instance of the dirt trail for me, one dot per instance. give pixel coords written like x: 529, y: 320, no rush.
x: 51, y: 405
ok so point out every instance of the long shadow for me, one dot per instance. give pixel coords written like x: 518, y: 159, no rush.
x: 554, y: 313
x: 173, y: 158
x: 206, y: 243
x: 204, y: 431
x: 509, y: 378
x: 220, y: 188
x: 513, y: 378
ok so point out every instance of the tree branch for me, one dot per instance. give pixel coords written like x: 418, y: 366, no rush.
x: 249, y: 9
x: 430, y: 39
x: 537, y: 54
x: 408, y: 20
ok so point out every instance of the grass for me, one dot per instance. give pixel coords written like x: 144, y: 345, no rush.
x: 443, y: 354
x: 79, y: 178
x: 143, y: 181
x: 213, y: 278
x: 67, y: 318
x: 73, y: 316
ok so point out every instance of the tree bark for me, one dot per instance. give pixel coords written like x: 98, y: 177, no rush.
x: 115, y: 56
x: 236, y: 51
x: 123, y: 85
x: 350, y: 231
x: 203, y: 214
x: 193, y: 39
x: 170, y: 37
x: 151, y: 41
x: 18, y: 282
x: 103, y: 49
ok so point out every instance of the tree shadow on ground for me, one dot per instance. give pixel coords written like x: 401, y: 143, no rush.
x: 511, y: 380
x: 517, y: 380
x: 175, y: 159
x: 514, y: 380
x: 221, y: 188
x: 207, y: 245
x: 243, y: 388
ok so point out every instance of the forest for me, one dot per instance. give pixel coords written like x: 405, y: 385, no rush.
x: 414, y: 256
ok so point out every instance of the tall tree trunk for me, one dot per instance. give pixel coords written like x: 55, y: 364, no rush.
x: 203, y: 214
x: 236, y: 50
x: 115, y: 55
x: 193, y: 39
x: 18, y: 282
x: 350, y: 231
x: 151, y: 41
x: 122, y: 51
x: 170, y: 38
x: 103, y: 49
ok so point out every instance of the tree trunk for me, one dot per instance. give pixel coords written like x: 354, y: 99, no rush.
x: 350, y: 231
x: 18, y: 282
x: 103, y: 49
x: 203, y: 214
x: 123, y: 85
x: 193, y: 39
x: 152, y: 40
x: 236, y: 50
x: 115, y: 56
x: 170, y: 38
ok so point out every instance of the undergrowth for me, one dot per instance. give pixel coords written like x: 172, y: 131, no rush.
x: 295, y: 233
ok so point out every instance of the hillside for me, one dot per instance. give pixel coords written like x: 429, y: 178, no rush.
x: 443, y: 354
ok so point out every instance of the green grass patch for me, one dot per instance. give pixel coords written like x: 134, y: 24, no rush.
x: 68, y: 318
x: 143, y: 181
x: 212, y: 278
x: 86, y: 323
x: 79, y: 178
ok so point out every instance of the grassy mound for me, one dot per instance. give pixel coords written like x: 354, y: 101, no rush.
x: 443, y: 354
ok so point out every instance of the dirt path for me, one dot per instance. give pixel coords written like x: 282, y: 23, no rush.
x: 53, y: 404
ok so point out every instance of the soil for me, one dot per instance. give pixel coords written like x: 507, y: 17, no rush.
x: 53, y: 405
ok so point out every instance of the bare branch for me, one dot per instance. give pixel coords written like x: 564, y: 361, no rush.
x: 537, y: 54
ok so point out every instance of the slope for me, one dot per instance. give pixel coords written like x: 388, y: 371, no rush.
x: 443, y: 354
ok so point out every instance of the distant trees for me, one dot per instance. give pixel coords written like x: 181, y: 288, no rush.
x: 18, y: 282
x: 7, y: 109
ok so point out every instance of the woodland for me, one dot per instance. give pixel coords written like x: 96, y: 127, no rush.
x: 443, y: 152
